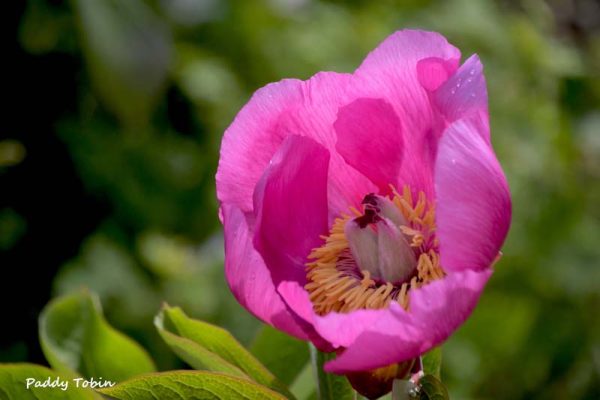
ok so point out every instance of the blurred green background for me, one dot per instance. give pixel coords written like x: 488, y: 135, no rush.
x: 115, y: 112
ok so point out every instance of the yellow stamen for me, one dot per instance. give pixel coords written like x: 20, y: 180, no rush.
x: 332, y: 288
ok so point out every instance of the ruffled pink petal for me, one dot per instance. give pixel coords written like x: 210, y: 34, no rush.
x: 465, y: 94
x: 383, y: 337
x: 290, y: 204
x: 289, y: 107
x: 434, y: 71
x: 323, y: 95
x: 369, y: 138
x: 250, y: 280
x: 299, y: 302
x: 390, y: 72
x: 473, y: 207
x: 342, y: 329
x: 252, y: 139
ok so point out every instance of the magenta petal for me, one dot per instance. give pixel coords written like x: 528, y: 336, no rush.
x: 289, y: 107
x: 250, y: 280
x: 390, y: 72
x: 465, y: 94
x: 369, y: 137
x: 342, y: 329
x: 252, y: 139
x: 434, y: 71
x: 290, y: 205
x: 473, y: 207
x: 299, y: 302
x: 394, y: 62
x: 323, y: 95
x: 383, y: 337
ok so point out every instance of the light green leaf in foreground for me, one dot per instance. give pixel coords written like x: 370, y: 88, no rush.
x: 190, y: 385
x: 282, y: 354
x: 432, y: 362
x: 14, y: 380
x: 75, y: 338
x: 205, y: 346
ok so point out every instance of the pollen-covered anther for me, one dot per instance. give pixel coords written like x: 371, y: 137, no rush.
x: 338, y: 282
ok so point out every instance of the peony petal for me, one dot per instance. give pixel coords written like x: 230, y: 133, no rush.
x: 290, y: 204
x: 342, y: 329
x: 298, y: 301
x: 252, y: 139
x: 323, y: 95
x: 390, y: 72
x: 250, y: 280
x: 382, y: 337
x: 465, y: 94
x: 473, y: 207
x: 434, y: 71
x: 369, y: 137
x: 289, y: 107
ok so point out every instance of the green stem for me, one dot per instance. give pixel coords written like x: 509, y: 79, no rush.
x: 329, y: 386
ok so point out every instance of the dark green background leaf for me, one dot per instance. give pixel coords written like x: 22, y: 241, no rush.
x: 282, y: 354
x: 128, y: 50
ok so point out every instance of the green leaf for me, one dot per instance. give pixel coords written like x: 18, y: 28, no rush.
x: 128, y: 51
x: 304, y: 386
x: 432, y: 389
x: 282, y: 354
x: 432, y: 362
x: 190, y: 385
x: 75, y: 337
x: 14, y: 384
x: 193, y: 353
x: 205, y: 346
x: 329, y: 386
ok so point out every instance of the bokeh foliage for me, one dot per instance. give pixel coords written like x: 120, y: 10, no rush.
x: 155, y: 83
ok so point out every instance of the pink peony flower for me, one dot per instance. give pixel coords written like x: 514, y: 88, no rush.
x: 363, y: 211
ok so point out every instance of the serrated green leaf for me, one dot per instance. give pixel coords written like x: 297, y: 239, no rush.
x: 432, y: 362
x: 205, y: 346
x: 75, y: 338
x: 432, y: 389
x: 282, y: 354
x: 190, y: 385
x: 194, y: 354
x: 329, y: 386
x: 14, y: 380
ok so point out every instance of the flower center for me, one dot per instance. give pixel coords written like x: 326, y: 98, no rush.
x: 376, y: 257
